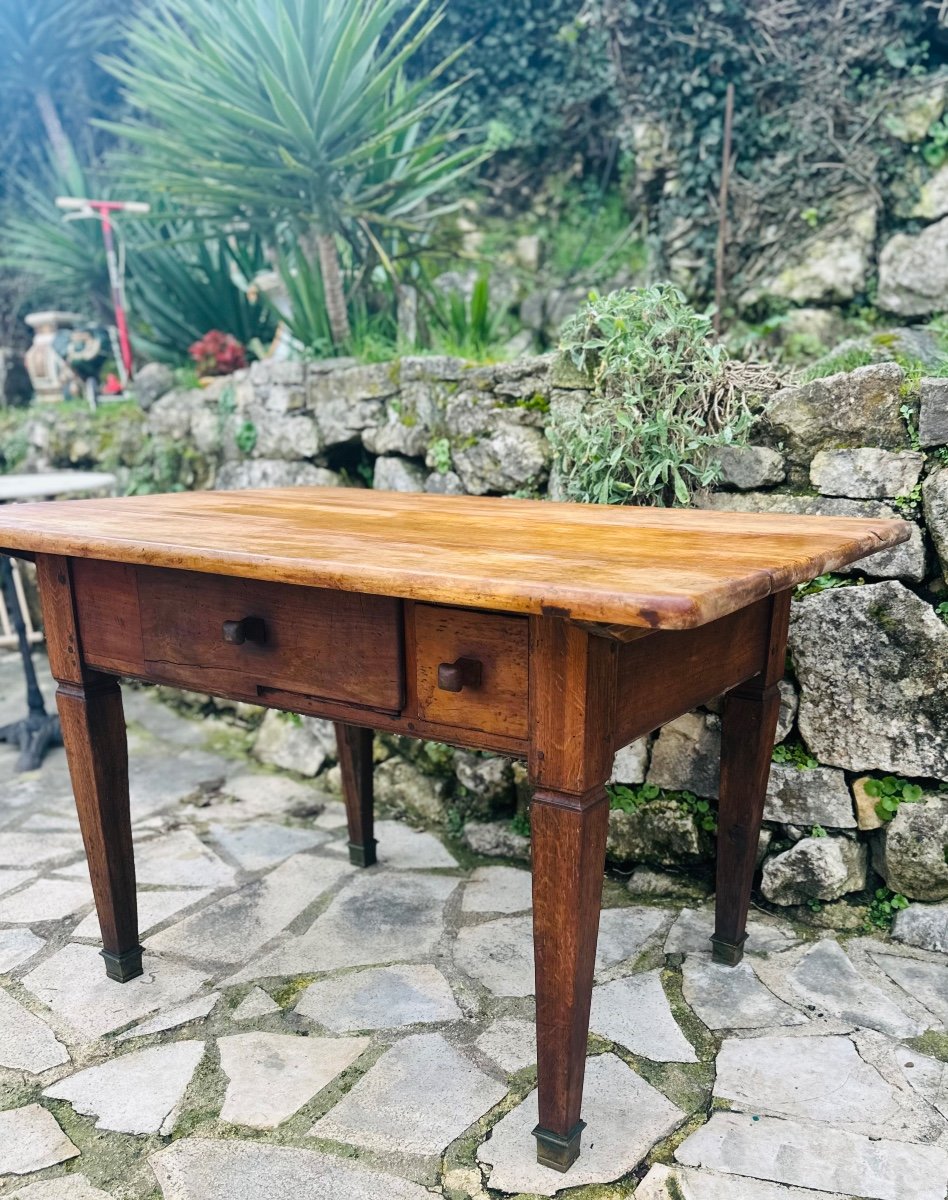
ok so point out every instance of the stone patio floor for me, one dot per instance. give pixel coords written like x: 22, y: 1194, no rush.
x: 307, y: 1029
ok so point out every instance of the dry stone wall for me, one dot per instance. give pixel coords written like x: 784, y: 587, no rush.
x: 867, y: 692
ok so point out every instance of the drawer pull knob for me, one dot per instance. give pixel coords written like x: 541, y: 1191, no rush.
x: 250, y: 629
x: 465, y: 672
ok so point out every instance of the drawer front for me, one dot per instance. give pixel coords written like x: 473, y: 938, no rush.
x: 232, y: 636
x: 488, y: 653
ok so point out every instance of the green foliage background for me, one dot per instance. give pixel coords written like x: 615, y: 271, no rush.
x: 568, y: 82
x: 622, y: 99
x: 536, y: 72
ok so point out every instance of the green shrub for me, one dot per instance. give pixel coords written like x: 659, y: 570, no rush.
x: 462, y: 325
x: 181, y: 286
x: 665, y: 395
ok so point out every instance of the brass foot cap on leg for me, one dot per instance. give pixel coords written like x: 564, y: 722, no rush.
x: 557, y: 1152
x: 125, y: 966
x: 726, y: 952
x: 363, y: 856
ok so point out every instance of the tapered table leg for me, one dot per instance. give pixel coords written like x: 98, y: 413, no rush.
x: 355, y: 763
x: 747, y: 742
x: 93, y: 731
x: 748, y: 729
x: 572, y: 705
x: 93, y: 727
x: 569, y: 852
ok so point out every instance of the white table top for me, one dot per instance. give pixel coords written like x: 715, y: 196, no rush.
x: 53, y: 483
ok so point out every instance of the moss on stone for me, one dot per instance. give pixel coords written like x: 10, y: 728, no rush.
x: 705, y: 1043
x: 286, y: 995
x: 932, y: 1043
x: 664, y: 1152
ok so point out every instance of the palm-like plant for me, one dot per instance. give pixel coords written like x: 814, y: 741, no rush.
x: 64, y: 260
x: 43, y: 43
x: 293, y: 114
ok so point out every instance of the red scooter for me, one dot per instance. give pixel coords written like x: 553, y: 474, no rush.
x: 78, y: 209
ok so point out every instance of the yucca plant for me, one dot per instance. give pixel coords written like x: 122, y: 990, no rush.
x: 63, y: 260
x: 43, y: 44
x: 292, y: 113
x: 183, y: 282
x: 305, y: 312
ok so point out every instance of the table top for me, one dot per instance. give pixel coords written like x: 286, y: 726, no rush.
x: 647, y: 567
x: 53, y: 483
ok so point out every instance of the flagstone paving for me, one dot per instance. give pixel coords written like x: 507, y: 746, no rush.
x: 304, y: 1028
x: 380, y: 998
x: 138, y: 1092
x: 272, y: 1075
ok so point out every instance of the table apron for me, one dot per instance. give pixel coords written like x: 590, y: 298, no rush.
x: 669, y: 673
x: 369, y: 660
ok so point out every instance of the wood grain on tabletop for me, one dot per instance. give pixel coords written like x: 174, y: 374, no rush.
x: 648, y: 567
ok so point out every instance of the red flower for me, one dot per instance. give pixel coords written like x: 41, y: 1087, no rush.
x: 218, y: 354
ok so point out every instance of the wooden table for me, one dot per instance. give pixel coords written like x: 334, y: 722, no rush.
x: 556, y: 633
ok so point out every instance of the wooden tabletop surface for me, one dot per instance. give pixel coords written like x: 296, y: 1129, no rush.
x: 647, y: 567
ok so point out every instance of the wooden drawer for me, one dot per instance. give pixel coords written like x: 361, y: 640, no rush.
x: 170, y: 625
x: 493, y: 695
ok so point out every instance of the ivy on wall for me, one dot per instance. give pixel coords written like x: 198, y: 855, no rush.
x: 643, y: 82
x: 812, y: 84
x: 536, y: 71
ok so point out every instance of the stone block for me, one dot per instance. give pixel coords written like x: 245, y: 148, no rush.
x: 933, y: 412
x: 825, y: 978
x: 808, y: 796
x: 394, y: 474
x: 402, y: 788
x: 418, y: 1098
x: 631, y: 763
x: 686, y: 755
x: 935, y: 500
x: 913, y: 850
x: 205, y: 1169
x: 304, y: 744
x: 733, y: 997
x: 272, y: 1075
x: 508, y: 460
x: 835, y: 412
x: 625, y: 1118
x: 866, y: 473
x: 31, y: 1140
x: 872, y: 663
x: 805, y: 1154
x: 133, y: 1093
x: 820, y: 868
x: 866, y: 816
x: 635, y: 1013
x: 923, y: 925
x: 273, y: 473
x: 380, y: 998
x: 913, y: 272
x: 660, y: 832
x: 749, y: 467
